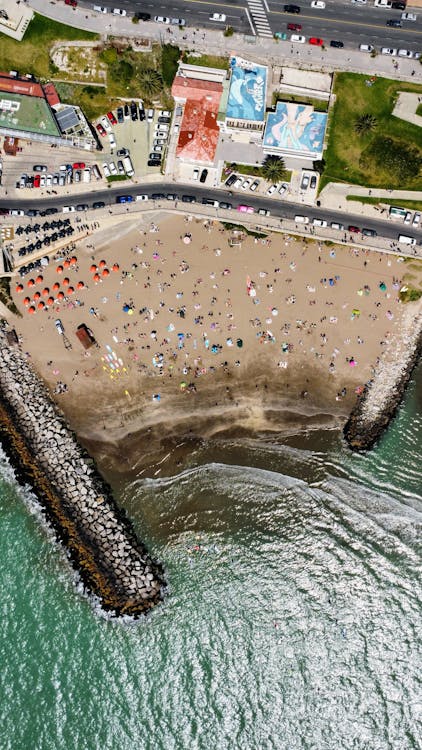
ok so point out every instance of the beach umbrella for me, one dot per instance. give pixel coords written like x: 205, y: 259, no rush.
x: 39, y: 279
x: 37, y: 295
x: 31, y: 282
x: 60, y: 295
x: 59, y: 269
x: 239, y: 343
x: 45, y: 292
x: 105, y: 272
x: 19, y: 287
x: 66, y: 281
x: 66, y: 264
x: 31, y: 310
x: 383, y: 287
x: 97, y: 277
x: 116, y: 266
x: 41, y: 305
x: 73, y: 260
x: 93, y: 268
x: 80, y: 285
x: 56, y: 286
x: 26, y: 301
x: 70, y: 290
x: 126, y: 308
x: 102, y: 264
x: 187, y: 239
x: 50, y: 301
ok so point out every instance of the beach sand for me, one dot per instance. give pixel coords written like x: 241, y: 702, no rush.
x: 201, y: 330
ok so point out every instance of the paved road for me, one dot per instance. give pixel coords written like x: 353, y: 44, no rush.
x: 344, y: 21
x: 278, y: 208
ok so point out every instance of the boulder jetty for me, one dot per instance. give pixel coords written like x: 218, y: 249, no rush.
x: 112, y: 563
x: 382, y: 396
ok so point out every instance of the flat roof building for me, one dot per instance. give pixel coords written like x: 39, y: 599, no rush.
x: 199, y: 130
x: 247, y: 95
x: 15, y: 18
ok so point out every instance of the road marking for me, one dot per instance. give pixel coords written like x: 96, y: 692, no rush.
x: 338, y: 21
x: 259, y: 18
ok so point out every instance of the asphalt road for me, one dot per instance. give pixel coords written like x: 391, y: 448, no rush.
x: 350, y: 23
x: 278, y: 208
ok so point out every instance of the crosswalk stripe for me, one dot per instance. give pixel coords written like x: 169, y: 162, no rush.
x: 259, y: 18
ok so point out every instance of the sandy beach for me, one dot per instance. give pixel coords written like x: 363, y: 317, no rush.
x: 201, y: 330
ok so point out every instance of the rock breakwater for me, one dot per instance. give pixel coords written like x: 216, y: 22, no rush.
x: 97, y: 535
x: 382, y: 396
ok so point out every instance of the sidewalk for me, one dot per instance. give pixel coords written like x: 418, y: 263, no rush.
x: 334, y: 196
x: 260, y: 49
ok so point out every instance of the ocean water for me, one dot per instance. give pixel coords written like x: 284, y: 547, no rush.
x: 292, y: 621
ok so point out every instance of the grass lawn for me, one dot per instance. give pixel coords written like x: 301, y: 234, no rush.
x: 282, y: 96
x: 209, y: 61
x: 345, y: 146
x: 31, y: 55
x: 374, y: 201
x: 93, y: 99
x: 419, y: 110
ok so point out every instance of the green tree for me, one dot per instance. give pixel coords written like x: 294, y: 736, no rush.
x: 365, y: 124
x: 274, y: 168
x: 150, y: 82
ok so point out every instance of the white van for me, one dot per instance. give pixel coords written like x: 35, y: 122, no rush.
x: 366, y: 47
x: 68, y: 209
x: 302, y: 219
x: 406, y: 240
x: 100, y: 9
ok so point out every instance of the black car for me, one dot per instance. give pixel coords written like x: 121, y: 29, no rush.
x: 123, y: 152
x: 398, y: 6
x: 369, y: 232
x: 98, y: 204
x: 154, y: 156
x: 120, y: 114
x: 395, y: 22
x: 141, y: 112
x: 333, y: 43
x: 154, y: 163
x: 204, y: 175
x: 231, y: 180
x: 158, y: 196
x: 188, y: 199
x: 126, y: 111
x: 133, y: 111
x: 165, y: 120
x: 291, y: 9
x: 143, y: 16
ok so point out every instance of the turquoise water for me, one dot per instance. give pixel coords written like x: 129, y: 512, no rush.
x: 295, y: 625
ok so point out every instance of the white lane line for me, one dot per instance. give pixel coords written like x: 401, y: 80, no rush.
x: 250, y: 22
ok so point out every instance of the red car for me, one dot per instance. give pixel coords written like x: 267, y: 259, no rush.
x: 73, y: 3
x: 37, y: 180
x: 353, y: 229
x: 79, y: 165
x: 294, y: 26
x: 315, y: 40
x: 101, y: 129
x: 112, y: 118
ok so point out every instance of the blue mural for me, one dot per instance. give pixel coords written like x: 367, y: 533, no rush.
x: 295, y: 127
x: 247, y: 91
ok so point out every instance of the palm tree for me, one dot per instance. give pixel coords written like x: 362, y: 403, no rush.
x: 150, y: 82
x: 365, y: 123
x: 274, y: 168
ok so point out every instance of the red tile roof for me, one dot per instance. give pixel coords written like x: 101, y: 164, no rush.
x: 199, y: 130
x: 51, y: 94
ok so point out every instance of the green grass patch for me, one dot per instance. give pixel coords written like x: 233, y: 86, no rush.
x: 209, y: 61
x: 345, y: 147
x: 93, y: 99
x: 419, y: 110
x: 374, y: 201
x: 283, y: 96
x: 117, y: 178
x: 31, y: 55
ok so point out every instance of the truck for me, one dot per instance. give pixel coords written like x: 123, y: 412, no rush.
x: 85, y: 336
x: 406, y: 240
x: 127, y: 163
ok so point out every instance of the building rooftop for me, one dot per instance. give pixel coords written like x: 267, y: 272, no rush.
x: 199, y: 130
x: 248, y: 89
x: 15, y: 18
x: 28, y: 114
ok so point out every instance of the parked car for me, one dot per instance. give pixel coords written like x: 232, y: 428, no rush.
x: 204, y: 175
x: 150, y: 115
x: 98, y: 204
x: 221, y: 17
x: 100, y: 9
x: 73, y: 3
x: 59, y: 326
x: 246, y: 184
x: 354, y: 230
x: 119, y: 12
x: 416, y: 219
x: 106, y: 170
x: 231, y: 180
x: 366, y: 47
x: 177, y: 21
x: 37, y: 181
x: 39, y: 168
x: 405, y: 53
x: 316, y: 41
x: 188, y: 199
x: 162, y: 19
x: 395, y: 23
x: 225, y: 205
x: 126, y: 112
x: 263, y: 212
x: 120, y: 114
x: 195, y: 174
x: 336, y: 225
x: 313, y: 182
x: 142, y: 16
x: 245, y: 209
x: 398, y: 5
x: 294, y: 27
x: 237, y: 183
x: 133, y: 111
x: 254, y: 185
x: 271, y: 189
x: 291, y: 8
x: 318, y: 4
x: 124, y: 199
x: 319, y: 222
x: 159, y: 142
x: 100, y: 129
x: 154, y: 162
x: 369, y: 232
x: 112, y: 118
x: 79, y: 165
x: 408, y: 16
x: 388, y: 51
x: 282, y: 189
x: 304, y: 182
x: 112, y: 140
x: 408, y: 217
x: 298, y: 39
x: 120, y: 167
x: 105, y: 122
x: 335, y: 43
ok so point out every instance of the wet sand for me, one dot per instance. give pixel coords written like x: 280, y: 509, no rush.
x: 201, y: 331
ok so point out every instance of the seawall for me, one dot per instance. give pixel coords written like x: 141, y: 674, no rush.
x: 382, y: 396
x: 98, y: 537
